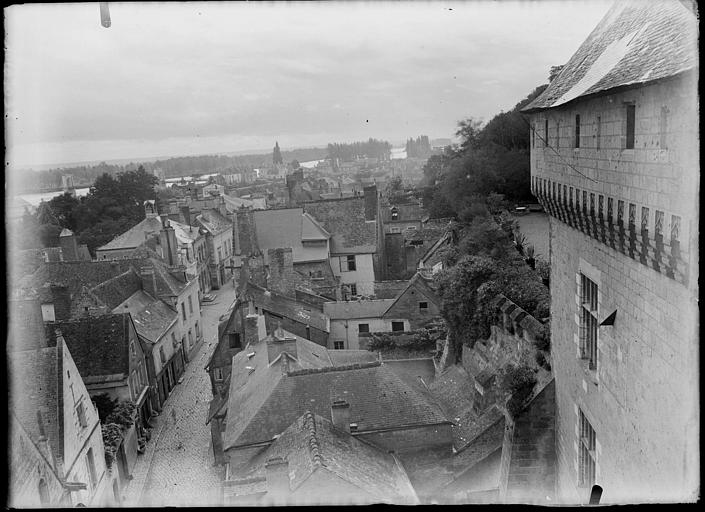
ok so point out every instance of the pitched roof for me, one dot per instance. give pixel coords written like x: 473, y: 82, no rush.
x: 185, y: 233
x: 636, y: 42
x: 152, y: 317
x: 99, y: 345
x: 262, y: 403
x: 35, y: 380
x: 287, y: 307
x: 312, y: 443
x: 357, y: 308
x: 213, y: 221
x: 345, y: 220
x: 115, y: 290
x: 135, y: 236
x: 421, y: 282
x: 235, y: 203
x: 288, y: 227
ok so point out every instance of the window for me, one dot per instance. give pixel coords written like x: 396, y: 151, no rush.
x: 397, y: 326
x: 658, y: 223
x: 190, y: 338
x: 577, y: 131
x: 338, y: 345
x: 631, y: 120
x: 183, y: 310
x: 218, y: 374
x: 349, y: 264
x: 363, y: 328
x: 190, y: 305
x: 533, y: 135
x: 558, y: 134
x: 90, y: 462
x: 234, y: 340
x: 644, y: 218
x: 588, y: 321
x: 81, y: 413
x: 586, y: 455
x: 423, y: 305
x: 140, y: 371
x: 545, y: 133
x: 132, y: 348
x: 198, y: 330
x: 675, y: 227
x: 598, y: 132
x: 353, y: 289
x: 162, y: 356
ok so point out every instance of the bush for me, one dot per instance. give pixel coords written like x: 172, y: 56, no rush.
x: 381, y: 342
x: 112, y: 437
x: 123, y: 415
x: 519, y: 381
x: 543, y: 338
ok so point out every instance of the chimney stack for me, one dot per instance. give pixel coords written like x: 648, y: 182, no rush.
x: 69, y: 245
x: 150, y: 209
x: 256, y: 269
x: 277, y: 474
x: 149, y: 280
x: 281, y: 271
x: 340, y: 414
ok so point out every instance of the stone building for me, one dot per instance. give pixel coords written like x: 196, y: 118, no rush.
x: 614, y: 161
x: 54, y: 408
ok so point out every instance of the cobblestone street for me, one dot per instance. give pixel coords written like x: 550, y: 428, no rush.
x: 177, y: 467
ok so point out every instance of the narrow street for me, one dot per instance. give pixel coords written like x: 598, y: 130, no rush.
x: 177, y: 467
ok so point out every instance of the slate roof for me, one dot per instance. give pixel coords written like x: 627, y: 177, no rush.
x: 233, y: 203
x: 213, y: 221
x: 115, y: 290
x: 636, y: 42
x: 185, y: 233
x: 288, y: 227
x: 152, y: 317
x: 286, y: 307
x: 345, y: 356
x: 344, y: 219
x: 99, y: 345
x: 34, y: 377
x: 357, y: 309
x: 135, y: 236
x: 312, y: 443
x: 266, y: 401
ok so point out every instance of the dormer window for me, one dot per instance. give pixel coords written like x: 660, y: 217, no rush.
x: 395, y: 213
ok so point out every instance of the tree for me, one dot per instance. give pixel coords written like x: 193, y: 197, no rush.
x: 277, y: 156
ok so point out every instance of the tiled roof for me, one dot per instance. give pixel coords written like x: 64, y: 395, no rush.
x: 214, y: 221
x: 135, y: 236
x: 636, y: 42
x: 152, y: 317
x: 115, y: 290
x: 287, y: 307
x: 288, y: 227
x: 99, y: 345
x: 357, y: 308
x: 312, y: 443
x: 344, y: 219
x: 346, y: 357
x: 265, y: 402
x: 34, y: 377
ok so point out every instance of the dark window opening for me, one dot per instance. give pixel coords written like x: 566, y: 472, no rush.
x: 338, y: 345
x: 363, y: 328
x: 545, y: 133
x: 397, y: 326
x: 234, y: 340
x: 351, y: 263
x: 423, y: 305
x: 631, y: 121
x: 577, y: 131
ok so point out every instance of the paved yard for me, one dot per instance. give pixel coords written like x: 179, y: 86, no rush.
x: 177, y: 468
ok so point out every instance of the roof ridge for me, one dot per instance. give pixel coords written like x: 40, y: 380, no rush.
x: 314, y: 445
x: 344, y: 367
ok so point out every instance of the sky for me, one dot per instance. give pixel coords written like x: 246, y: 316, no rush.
x: 170, y: 79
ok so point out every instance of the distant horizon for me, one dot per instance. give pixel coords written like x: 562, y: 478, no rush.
x: 142, y: 159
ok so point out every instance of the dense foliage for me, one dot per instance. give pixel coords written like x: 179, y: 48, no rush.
x: 115, y: 425
x: 113, y: 205
x: 493, y: 157
x: 373, y: 148
x: 519, y: 381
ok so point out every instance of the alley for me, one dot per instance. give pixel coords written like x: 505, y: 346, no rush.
x: 177, y: 466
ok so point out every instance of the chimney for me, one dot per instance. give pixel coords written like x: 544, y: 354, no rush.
x: 69, y: 245
x: 61, y: 298
x: 370, y: 202
x: 149, y: 279
x: 340, y: 414
x: 279, y: 342
x: 254, y: 328
x: 256, y: 269
x: 186, y: 214
x: 150, y: 209
x: 277, y: 474
x: 281, y: 271
x: 167, y: 239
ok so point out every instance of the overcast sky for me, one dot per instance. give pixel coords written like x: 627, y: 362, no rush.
x: 195, y: 78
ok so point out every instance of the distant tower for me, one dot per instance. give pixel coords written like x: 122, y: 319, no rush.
x: 67, y: 184
x: 277, y: 156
